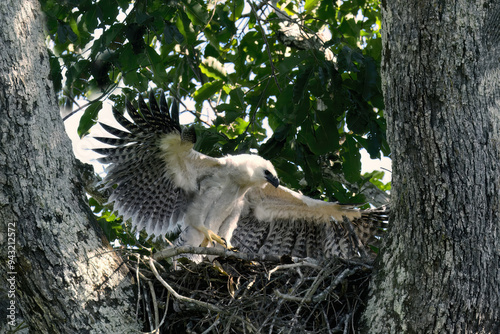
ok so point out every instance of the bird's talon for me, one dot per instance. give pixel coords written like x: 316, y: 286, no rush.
x: 225, y: 242
x: 211, y: 237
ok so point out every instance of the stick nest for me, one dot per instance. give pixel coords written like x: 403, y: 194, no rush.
x: 234, y: 295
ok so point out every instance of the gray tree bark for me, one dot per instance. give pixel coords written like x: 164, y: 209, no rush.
x: 59, y: 273
x: 440, y: 269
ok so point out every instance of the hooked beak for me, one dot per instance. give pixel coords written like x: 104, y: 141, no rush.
x: 273, y: 180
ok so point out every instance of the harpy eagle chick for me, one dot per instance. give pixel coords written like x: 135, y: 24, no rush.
x: 165, y: 186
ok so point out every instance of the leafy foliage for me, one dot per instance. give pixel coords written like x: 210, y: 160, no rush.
x: 322, y: 110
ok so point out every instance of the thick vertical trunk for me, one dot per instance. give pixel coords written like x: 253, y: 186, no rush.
x: 60, y: 275
x: 440, y: 269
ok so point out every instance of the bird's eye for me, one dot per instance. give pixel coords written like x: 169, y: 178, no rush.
x: 267, y: 173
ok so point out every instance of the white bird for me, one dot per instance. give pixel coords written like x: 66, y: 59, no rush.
x: 164, y: 186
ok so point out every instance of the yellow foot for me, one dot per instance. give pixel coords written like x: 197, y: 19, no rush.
x: 210, y: 237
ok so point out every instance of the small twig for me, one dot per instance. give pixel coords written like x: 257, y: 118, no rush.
x: 325, y: 272
x: 293, y: 265
x: 322, y: 296
x: 245, y: 288
x: 346, y: 324
x: 309, y: 298
x: 291, y: 298
x: 137, y: 273
x: 211, y: 17
x: 209, y: 329
x: 278, y: 308
x: 157, y: 329
x: 326, y: 321
x: 228, y: 324
x: 155, y: 304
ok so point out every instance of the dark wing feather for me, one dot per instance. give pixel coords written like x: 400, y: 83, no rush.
x: 174, y: 112
x: 137, y: 115
x: 283, y: 222
x: 116, y: 132
x: 131, y: 127
x: 112, y: 141
x: 144, y: 190
x: 297, y: 238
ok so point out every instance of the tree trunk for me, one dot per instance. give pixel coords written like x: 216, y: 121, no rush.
x: 61, y: 276
x: 439, y: 271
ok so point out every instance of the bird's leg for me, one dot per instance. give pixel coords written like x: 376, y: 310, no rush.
x: 210, y: 236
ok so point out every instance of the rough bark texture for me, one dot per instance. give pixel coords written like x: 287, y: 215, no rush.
x: 63, y: 278
x: 439, y: 271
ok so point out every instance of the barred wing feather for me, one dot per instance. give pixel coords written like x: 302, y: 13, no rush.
x: 141, y: 162
x: 282, y: 221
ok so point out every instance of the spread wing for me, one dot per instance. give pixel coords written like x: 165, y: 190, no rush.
x: 153, y: 166
x: 282, y: 221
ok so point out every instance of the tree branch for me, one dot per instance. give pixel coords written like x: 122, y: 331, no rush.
x: 171, y: 252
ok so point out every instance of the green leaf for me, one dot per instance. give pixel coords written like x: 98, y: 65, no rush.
x: 357, y: 119
x: 238, y: 98
x: 347, y: 59
x: 238, y: 127
x: 371, y: 77
x: 196, y: 13
x: 135, y: 79
x: 213, y: 68
x: 186, y: 28
x: 90, y: 19
x: 299, y: 89
x: 231, y: 112
x: 311, y: 5
x: 207, y: 142
x: 289, y: 63
x: 55, y: 72
x: 316, y: 146
x: 108, y: 10
x: 273, y: 146
x: 171, y: 33
x: 351, y: 160
x: 108, y: 36
x: 374, y: 48
x: 309, y: 162
x: 328, y: 128
x: 376, y: 177
x: 284, y: 105
x: 349, y: 27
x: 62, y: 33
x: 89, y: 118
x: 156, y: 63
x: 237, y: 7
x: 207, y: 91
x: 129, y: 61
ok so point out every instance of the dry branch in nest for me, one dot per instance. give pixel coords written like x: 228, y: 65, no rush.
x: 244, y: 293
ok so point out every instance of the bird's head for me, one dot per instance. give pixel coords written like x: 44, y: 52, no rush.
x: 271, y: 177
x: 259, y: 170
x: 264, y: 172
